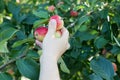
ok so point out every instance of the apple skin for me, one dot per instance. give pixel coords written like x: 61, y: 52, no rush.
x: 40, y: 33
x: 114, y: 66
x: 58, y: 34
x: 59, y: 21
x: 104, y: 51
x: 10, y: 71
x: 51, y: 8
x: 73, y: 13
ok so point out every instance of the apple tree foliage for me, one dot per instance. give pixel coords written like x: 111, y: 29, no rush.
x: 94, y: 38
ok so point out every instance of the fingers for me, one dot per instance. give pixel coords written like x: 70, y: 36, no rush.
x: 65, y: 34
x: 51, y: 27
x: 68, y: 46
x: 38, y: 43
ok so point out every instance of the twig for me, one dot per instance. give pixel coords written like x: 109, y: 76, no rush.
x: 13, y: 60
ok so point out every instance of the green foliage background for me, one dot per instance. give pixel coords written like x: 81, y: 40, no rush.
x: 94, y: 38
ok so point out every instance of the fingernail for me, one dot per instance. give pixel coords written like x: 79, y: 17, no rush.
x: 53, y: 20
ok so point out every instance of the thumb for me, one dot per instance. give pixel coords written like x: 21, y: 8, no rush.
x: 51, y: 27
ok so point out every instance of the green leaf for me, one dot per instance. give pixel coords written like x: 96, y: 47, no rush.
x: 41, y: 14
x: 5, y: 76
x: 18, y: 52
x: 115, y: 50
x: 1, y: 6
x: 33, y: 54
x: 67, y: 2
x: 95, y: 77
x: 14, y: 9
x: 102, y: 67
x: 63, y: 66
x: 64, y: 8
x: 116, y: 18
x: 75, y: 54
x: 6, y: 25
x: 20, y: 42
x: 104, y: 13
x: 100, y: 42
x: 28, y: 68
x: 82, y: 20
x: 30, y: 19
x: 116, y: 41
x: 3, y: 46
x: 7, y: 33
x: 92, y: 1
x: 84, y: 36
x: 83, y: 28
x: 21, y: 18
x: 105, y: 27
x: 21, y: 35
x: 39, y: 22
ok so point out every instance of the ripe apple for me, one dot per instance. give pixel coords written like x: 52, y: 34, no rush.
x: 104, y: 51
x: 114, y: 66
x: 51, y: 8
x: 40, y: 33
x: 10, y: 71
x: 73, y: 13
x: 59, y: 21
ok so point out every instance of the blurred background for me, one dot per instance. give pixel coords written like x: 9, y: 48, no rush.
x: 94, y: 27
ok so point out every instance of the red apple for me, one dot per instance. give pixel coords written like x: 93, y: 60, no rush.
x: 59, y: 21
x: 73, y: 13
x: 10, y: 71
x: 114, y: 66
x: 51, y: 8
x: 40, y: 33
x: 104, y: 51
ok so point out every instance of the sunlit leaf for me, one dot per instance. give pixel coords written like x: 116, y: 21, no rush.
x: 3, y: 46
x: 7, y: 33
x: 41, y: 14
x: 18, y: 43
x: 63, y: 66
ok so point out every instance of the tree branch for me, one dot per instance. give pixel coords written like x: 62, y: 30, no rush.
x: 13, y: 60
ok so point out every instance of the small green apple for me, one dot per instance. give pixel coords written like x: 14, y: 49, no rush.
x: 118, y: 58
x: 58, y: 34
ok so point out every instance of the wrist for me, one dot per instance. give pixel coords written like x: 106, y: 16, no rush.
x: 47, y: 58
x: 50, y: 51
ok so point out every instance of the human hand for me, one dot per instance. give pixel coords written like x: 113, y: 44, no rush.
x: 54, y: 47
